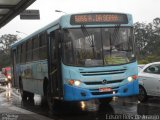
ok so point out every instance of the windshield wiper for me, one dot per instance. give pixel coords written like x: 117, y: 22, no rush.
x: 86, y: 34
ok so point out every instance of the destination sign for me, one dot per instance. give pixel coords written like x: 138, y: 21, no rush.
x: 98, y: 18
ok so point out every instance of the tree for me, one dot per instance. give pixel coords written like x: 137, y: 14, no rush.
x: 147, y: 39
x: 141, y: 38
x: 5, y: 42
x: 156, y: 22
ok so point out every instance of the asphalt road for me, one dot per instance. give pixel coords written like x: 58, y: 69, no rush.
x: 119, y: 108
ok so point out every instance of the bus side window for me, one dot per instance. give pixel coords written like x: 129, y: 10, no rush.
x: 53, y: 48
x: 36, y: 48
x: 43, y: 46
x: 18, y: 53
x: 29, y: 50
x: 23, y: 53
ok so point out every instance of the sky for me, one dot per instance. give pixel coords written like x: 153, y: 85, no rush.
x: 142, y: 11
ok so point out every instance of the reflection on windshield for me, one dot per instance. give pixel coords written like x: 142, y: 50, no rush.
x: 97, y: 46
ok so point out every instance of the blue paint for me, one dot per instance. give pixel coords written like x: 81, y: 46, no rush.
x: 74, y: 93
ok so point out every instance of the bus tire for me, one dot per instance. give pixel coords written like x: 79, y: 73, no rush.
x: 45, y: 85
x: 105, y: 100
x: 50, y: 100
x: 22, y: 92
x: 30, y: 95
x: 142, y: 96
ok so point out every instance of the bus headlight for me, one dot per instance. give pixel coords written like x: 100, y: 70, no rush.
x: 74, y: 82
x: 131, y: 78
x: 77, y: 83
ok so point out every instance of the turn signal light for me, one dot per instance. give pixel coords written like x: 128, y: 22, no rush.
x: 134, y: 77
x: 71, y: 82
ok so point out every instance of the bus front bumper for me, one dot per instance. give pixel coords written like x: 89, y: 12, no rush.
x: 72, y: 93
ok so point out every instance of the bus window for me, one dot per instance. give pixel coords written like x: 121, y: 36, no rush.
x: 35, y: 48
x: 18, y: 53
x: 67, y: 54
x: 43, y: 46
x: 82, y: 48
x: 23, y: 52
x: 29, y: 50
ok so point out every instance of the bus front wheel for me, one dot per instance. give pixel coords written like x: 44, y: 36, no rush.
x: 22, y: 92
x: 50, y: 100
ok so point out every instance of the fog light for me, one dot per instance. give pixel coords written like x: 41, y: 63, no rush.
x: 83, y: 94
x: 125, y: 90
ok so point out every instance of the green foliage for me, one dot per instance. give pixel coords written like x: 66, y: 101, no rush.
x: 149, y: 59
x: 5, y: 42
x: 147, y: 38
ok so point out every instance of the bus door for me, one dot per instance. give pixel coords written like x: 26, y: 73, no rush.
x: 54, y: 64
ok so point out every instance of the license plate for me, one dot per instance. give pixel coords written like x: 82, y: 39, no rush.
x: 105, y: 89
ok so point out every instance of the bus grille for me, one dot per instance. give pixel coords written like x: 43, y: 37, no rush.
x: 100, y: 82
x: 107, y: 72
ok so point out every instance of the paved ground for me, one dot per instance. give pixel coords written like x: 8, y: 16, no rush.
x: 119, y: 108
x: 8, y: 111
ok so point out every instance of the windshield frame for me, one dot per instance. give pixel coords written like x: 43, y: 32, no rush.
x: 113, y: 27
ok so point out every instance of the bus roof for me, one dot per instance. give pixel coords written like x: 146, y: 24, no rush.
x: 64, y: 21
x: 36, y: 32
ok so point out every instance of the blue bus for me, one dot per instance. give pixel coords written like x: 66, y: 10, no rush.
x: 78, y: 57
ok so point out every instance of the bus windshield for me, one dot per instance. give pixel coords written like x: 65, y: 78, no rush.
x: 98, y: 46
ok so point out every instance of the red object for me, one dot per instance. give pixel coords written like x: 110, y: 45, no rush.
x: 7, y: 72
x: 71, y: 82
x: 134, y: 77
x: 105, y: 89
